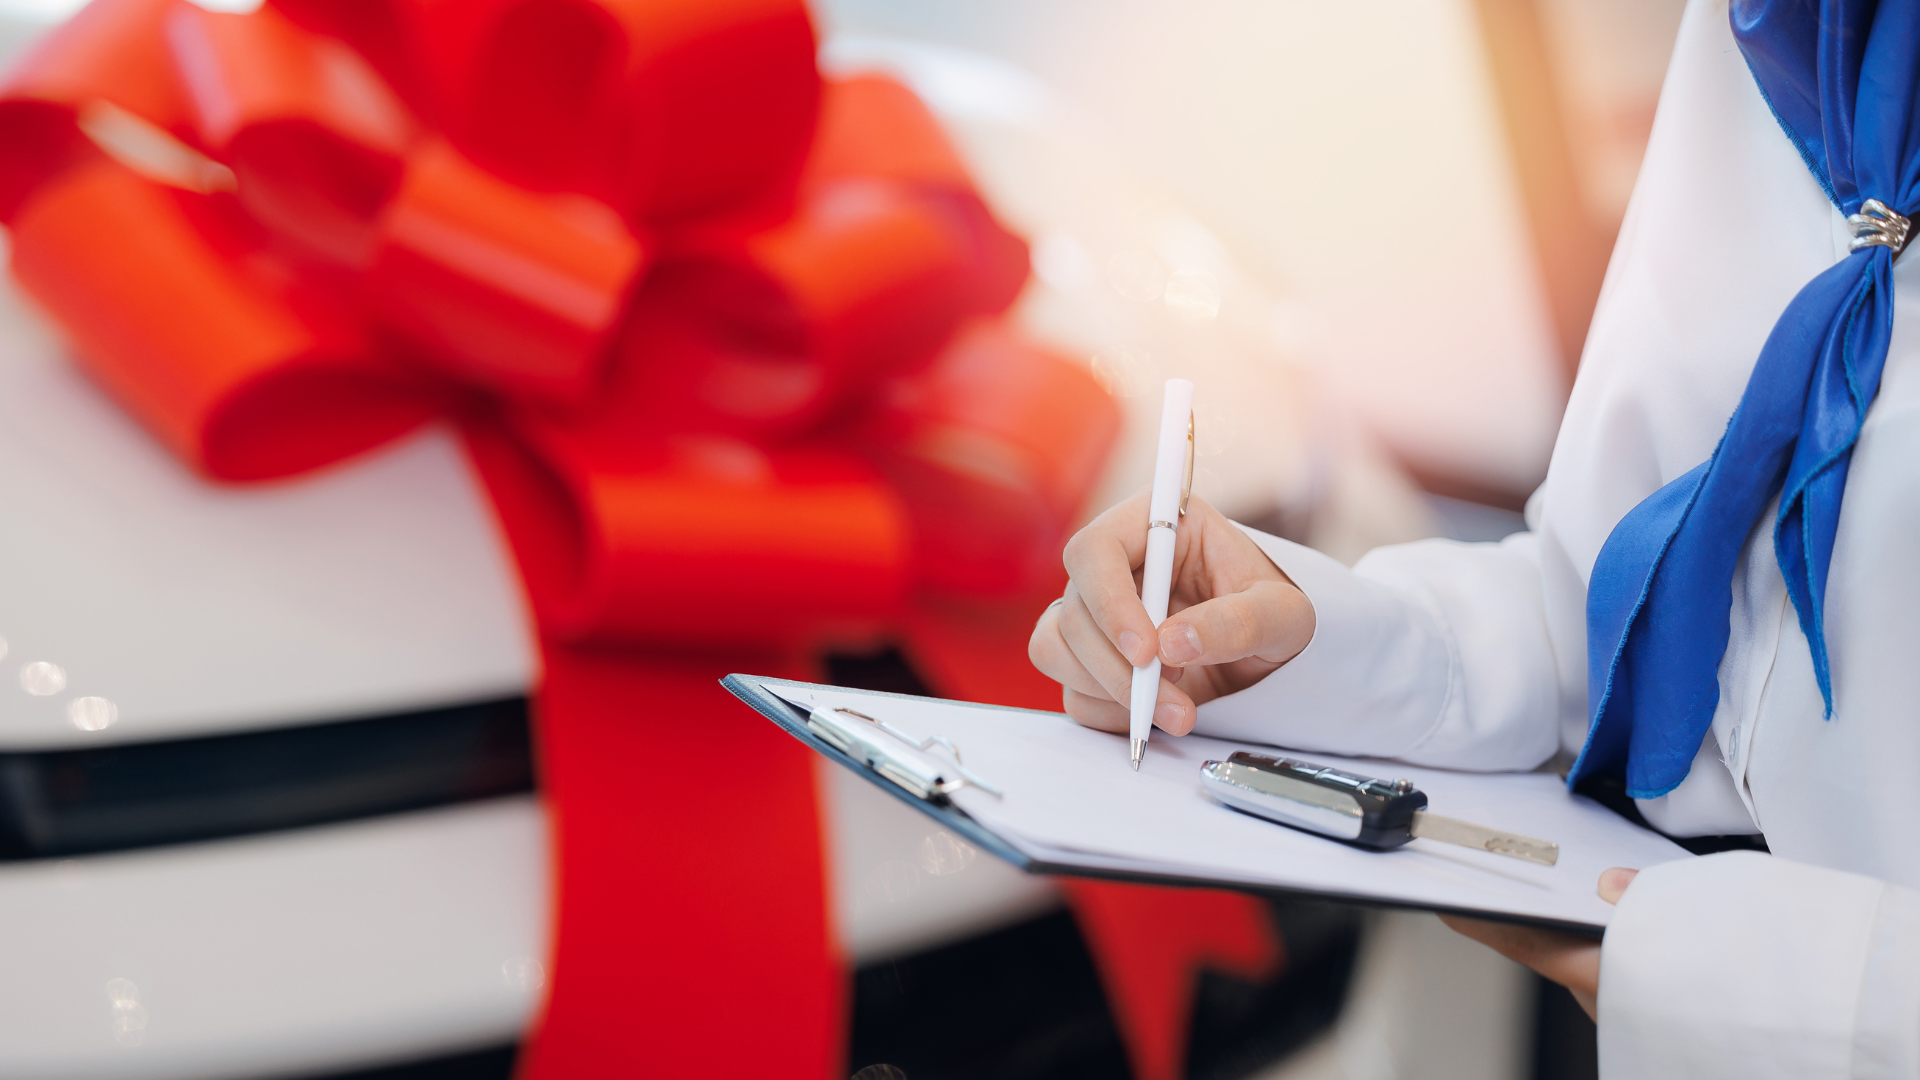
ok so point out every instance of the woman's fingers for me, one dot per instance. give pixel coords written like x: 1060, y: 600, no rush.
x: 1095, y: 712
x: 1051, y: 655
x: 1071, y: 650
x: 1269, y: 620
x: 1573, y: 962
x: 1092, y: 641
x: 1173, y: 710
x: 1614, y: 882
x: 1092, y: 648
x: 1173, y: 713
x: 1100, y: 559
x: 1570, y: 961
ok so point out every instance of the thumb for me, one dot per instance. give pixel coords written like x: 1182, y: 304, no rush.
x: 1269, y: 620
x: 1614, y: 882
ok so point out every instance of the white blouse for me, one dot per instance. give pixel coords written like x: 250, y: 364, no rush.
x: 1804, y: 964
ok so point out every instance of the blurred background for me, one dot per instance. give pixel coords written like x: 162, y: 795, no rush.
x: 1373, y: 234
x: 1419, y: 197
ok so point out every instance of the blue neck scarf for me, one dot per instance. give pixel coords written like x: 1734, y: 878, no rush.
x: 1841, y: 77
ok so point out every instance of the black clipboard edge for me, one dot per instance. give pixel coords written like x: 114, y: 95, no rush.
x: 751, y: 690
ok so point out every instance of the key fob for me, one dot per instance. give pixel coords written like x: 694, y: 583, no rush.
x: 1360, y: 810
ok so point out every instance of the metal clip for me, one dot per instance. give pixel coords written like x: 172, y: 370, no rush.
x: 925, y: 776
x: 1186, y: 486
x: 1877, y: 225
x: 951, y: 747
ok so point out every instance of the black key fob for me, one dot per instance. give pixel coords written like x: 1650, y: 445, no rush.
x: 1360, y: 810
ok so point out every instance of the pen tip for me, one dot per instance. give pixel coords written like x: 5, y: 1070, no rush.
x: 1139, y: 751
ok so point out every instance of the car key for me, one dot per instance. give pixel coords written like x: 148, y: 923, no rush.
x: 1377, y: 814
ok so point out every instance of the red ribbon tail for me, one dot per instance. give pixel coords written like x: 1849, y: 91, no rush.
x: 693, y: 936
x: 1149, y: 943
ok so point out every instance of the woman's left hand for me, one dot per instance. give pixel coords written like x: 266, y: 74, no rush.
x: 1573, y: 962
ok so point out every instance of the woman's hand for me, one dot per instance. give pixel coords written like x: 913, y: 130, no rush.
x: 1233, y: 618
x: 1573, y: 962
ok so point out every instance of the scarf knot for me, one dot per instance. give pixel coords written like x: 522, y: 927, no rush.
x: 1879, y: 225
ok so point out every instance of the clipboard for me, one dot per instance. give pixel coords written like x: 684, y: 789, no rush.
x: 1056, y: 798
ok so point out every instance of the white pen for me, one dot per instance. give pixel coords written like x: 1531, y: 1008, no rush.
x: 1172, y: 481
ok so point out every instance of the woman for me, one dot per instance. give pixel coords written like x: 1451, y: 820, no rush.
x: 1696, y: 610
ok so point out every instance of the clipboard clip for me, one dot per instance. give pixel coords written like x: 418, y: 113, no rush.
x: 899, y: 757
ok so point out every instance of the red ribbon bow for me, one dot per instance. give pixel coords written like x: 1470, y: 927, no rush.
x: 720, y: 344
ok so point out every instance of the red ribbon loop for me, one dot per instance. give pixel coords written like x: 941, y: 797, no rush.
x: 995, y: 444
x: 516, y: 292
x: 665, y: 109
x: 314, y: 137
x: 113, y: 52
x: 244, y: 376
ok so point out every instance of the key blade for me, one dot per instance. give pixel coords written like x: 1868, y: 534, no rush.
x: 1466, y: 834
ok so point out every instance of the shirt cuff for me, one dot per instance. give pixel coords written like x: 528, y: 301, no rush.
x: 1745, y: 965
x: 1373, y: 681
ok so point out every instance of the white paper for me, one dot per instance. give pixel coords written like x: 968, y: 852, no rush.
x: 1072, y: 799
